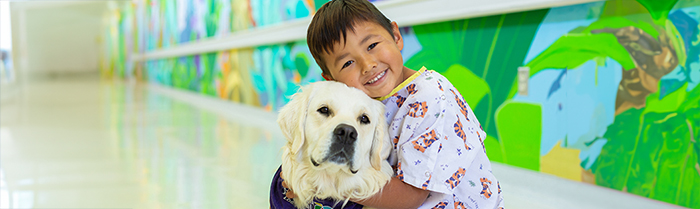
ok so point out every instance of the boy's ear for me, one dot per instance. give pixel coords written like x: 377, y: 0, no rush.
x: 397, y: 35
x: 327, y: 77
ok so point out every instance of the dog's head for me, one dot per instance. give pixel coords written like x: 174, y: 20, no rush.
x: 337, y: 140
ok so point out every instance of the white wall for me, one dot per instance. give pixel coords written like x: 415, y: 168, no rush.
x: 56, y: 38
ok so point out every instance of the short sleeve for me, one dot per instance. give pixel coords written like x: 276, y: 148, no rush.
x: 438, y: 142
x: 420, y: 136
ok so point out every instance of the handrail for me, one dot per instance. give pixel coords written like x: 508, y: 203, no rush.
x: 404, y: 12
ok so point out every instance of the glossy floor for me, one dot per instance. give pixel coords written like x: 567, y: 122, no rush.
x: 91, y: 143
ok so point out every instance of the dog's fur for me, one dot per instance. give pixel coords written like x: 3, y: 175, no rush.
x: 308, y: 167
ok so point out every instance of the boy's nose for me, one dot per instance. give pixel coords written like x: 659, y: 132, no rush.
x: 368, y: 67
x: 369, y: 63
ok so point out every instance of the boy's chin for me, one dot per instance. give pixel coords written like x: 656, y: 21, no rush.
x: 378, y: 93
x: 378, y: 89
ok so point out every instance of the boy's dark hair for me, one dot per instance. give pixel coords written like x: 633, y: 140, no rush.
x: 332, y: 21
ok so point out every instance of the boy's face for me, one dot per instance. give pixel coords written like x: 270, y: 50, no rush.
x: 370, y: 59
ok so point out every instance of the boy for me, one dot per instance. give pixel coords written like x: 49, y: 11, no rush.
x: 438, y: 153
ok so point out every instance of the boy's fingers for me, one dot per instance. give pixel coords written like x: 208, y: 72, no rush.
x: 290, y: 194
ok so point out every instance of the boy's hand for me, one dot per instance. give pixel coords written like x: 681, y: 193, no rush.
x: 290, y: 194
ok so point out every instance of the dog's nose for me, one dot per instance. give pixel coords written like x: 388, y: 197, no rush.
x: 345, y: 133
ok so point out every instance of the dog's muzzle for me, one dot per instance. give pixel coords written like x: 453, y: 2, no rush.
x: 343, y: 145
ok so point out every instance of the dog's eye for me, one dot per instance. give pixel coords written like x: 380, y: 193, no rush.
x: 324, y: 111
x: 364, y: 119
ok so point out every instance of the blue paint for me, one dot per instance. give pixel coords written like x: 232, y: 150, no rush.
x: 580, y: 110
x: 557, y: 83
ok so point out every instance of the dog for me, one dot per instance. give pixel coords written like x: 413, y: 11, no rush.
x: 337, y: 145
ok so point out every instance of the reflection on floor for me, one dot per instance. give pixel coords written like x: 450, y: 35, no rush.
x: 82, y: 143
x: 85, y: 143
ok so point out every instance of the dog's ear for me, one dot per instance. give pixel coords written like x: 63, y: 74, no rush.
x: 381, y: 147
x: 292, y: 117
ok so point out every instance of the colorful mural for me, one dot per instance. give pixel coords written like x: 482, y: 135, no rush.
x: 612, y: 95
x: 264, y: 76
x: 611, y: 100
x: 609, y: 94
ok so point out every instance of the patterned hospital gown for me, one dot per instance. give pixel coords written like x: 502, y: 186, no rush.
x: 439, y: 144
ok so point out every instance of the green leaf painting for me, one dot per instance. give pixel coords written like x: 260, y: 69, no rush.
x: 651, y: 151
x: 572, y: 50
x: 520, y: 127
x: 580, y: 46
x: 654, y: 152
x: 493, y: 149
x: 658, y: 9
x: 491, y: 48
x: 472, y: 87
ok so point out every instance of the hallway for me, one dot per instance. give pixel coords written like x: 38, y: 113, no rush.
x: 101, y: 144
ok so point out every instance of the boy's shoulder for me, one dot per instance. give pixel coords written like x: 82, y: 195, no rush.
x: 426, y: 88
x: 425, y: 83
x: 433, y: 81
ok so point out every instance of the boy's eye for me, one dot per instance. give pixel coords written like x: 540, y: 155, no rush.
x: 346, y: 64
x: 371, y: 46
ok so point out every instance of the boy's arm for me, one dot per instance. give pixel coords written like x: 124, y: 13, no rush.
x: 396, y: 194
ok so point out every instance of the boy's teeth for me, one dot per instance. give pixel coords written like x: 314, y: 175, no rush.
x: 376, y: 78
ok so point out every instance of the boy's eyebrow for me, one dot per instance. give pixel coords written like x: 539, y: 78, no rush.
x: 367, y: 38
x: 361, y: 42
x: 341, y: 57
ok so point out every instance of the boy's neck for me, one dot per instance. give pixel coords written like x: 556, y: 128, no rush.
x: 407, y: 73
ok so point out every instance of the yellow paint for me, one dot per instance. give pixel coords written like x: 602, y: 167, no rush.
x: 236, y: 84
x: 297, y: 77
x: 310, y: 4
x: 562, y: 162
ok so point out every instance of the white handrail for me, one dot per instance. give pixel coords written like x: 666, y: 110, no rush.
x: 404, y: 12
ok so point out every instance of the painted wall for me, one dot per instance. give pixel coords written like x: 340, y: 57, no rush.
x: 612, y: 94
x: 609, y: 94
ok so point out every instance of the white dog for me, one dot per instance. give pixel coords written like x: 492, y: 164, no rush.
x: 337, y: 144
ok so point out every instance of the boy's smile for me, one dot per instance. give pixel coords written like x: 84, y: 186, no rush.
x: 368, y: 59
